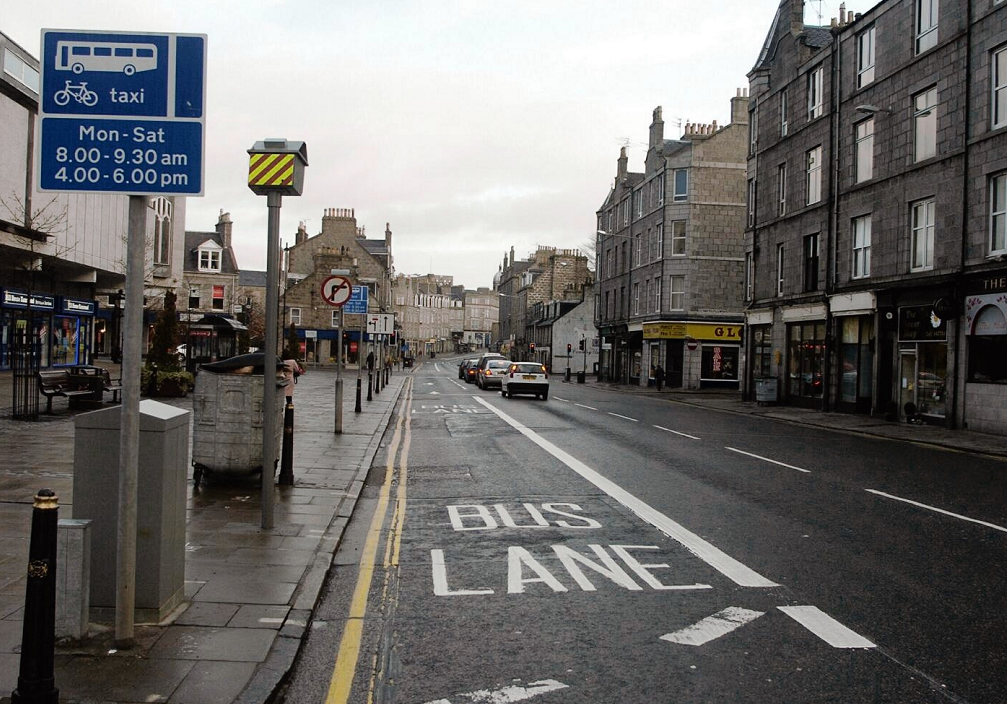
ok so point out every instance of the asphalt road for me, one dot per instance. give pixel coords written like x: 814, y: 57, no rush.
x: 608, y: 547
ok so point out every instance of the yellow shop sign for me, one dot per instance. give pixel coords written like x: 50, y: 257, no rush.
x: 700, y: 331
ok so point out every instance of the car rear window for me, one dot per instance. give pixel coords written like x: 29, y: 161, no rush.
x: 528, y: 368
x: 497, y: 363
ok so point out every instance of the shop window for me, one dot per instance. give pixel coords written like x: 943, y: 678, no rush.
x: 931, y: 371
x: 856, y: 354
x: 805, y: 360
x: 987, y: 354
x: 762, y: 351
x: 719, y: 363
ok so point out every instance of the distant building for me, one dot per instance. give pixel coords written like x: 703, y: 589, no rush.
x: 431, y: 315
x: 670, y: 256
x: 211, y: 273
x: 340, y: 246
x: 482, y: 308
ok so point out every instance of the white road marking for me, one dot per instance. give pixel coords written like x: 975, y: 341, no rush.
x: 460, y: 386
x: 994, y: 526
x: 825, y: 627
x: 711, y: 555
x: 618, y: 416
x: 505, y: 695
x: 557, y: 398
x: 766, y: 459
x: 434, y: 393
x: 590, y: 408
x: 713, y: 627
x: 669, y: 430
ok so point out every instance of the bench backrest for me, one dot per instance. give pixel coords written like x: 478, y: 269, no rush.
x: 54, y: 379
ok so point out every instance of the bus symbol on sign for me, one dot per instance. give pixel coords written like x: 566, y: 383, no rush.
x: 115, y: 57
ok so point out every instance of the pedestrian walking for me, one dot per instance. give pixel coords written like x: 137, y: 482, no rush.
x: 370, y: 361
x: 659, y: 376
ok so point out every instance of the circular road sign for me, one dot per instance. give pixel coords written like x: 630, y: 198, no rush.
x: 336, y: 290
x: 692, y: 343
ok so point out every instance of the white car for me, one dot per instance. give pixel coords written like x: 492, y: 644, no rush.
x: 525, y: 378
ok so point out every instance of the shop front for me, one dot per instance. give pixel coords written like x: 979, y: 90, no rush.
x: 72, y: 328
x: 985, y: 333
x: 696, y: 355
x: 853, y: 316
x: 922, y: 364
x: 15, y: 312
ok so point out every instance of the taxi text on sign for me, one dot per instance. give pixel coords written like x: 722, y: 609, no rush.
x: 700, y: 331
x: 122, y: 112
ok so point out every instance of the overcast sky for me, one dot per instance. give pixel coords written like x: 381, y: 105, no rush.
x: 470, y: 126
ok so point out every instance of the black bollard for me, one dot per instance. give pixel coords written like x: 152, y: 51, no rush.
x: 370, y: 386
x: 287, y: 456
x: 35, y: 682
x: 377, y: 384
x: 356, y: 407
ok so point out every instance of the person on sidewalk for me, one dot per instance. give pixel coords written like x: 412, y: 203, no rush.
x: 370, y: 361
x: 659, y: 377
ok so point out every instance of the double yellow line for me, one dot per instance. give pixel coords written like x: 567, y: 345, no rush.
x: 349, y: 646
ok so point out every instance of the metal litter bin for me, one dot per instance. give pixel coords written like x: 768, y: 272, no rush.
x: 766, y: 390
x: 227, y: 408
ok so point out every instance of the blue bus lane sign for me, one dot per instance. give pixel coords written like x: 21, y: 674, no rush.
x: 122, y: 113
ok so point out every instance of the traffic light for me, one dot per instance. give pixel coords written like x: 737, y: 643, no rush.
x: 581, y: 344
x: 569, y: 348
x: 531, y: 347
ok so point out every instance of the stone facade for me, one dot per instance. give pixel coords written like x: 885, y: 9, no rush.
x: 430, y: 313
x: 482, y: 310
x: 341, y: 245
x: 886, y: 316
x: 670, y: 257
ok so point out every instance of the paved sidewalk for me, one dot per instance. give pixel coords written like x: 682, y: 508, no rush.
x: 730, y: 401
x: 249, y: 592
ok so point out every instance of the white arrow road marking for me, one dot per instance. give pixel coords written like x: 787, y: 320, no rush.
x: 505, y: 695
x: 708, y: 553
x: 713, y: 627
x: 766, y: 459
x: 669, y: 430
x: 825, y: 627
x: 994, y: 526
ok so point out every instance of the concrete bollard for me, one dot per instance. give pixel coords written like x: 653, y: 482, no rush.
x: 73, y: 578
x: 35, y: 682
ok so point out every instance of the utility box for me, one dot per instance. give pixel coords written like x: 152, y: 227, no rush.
x: 228, y: 424
x: 160, y: 505
x: 766, y: 390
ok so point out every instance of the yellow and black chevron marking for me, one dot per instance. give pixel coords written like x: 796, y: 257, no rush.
x: 271, y: 170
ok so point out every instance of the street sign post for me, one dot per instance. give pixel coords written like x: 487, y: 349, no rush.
x: 122, y: 112
x: 357, y: 305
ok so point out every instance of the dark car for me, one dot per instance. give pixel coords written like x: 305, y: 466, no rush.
x: 465, y: 365
x: 407, y: 362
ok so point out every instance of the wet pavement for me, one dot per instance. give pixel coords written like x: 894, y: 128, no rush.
x: 250, y: 593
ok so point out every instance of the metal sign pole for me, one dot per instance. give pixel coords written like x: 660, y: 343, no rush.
x: 339, y: 374
x: 270, y: 421
x: 129, y: 429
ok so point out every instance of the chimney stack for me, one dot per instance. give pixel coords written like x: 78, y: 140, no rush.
x: 388, y: 237
x: 739, y: 107
x: 657, y: 129
x: 797, y: 17
x: 224, y: 228
x: 302, y: 233
x: 623, y: 163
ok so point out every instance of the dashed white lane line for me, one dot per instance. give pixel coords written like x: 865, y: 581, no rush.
x: 825, y: 627
x: 590, y: 408
x: 766, y: 459
x: 994, y: 526
x: 557, y: 398
x: 669, y: 430
x: 713, y: 627
x: 624, y: 417
x: 708, y: 553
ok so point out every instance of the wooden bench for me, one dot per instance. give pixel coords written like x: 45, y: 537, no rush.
x: 57, y: 382
x: 114, y: 386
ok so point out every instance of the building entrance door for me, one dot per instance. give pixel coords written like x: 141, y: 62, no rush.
x: 907, y: 381
x: 674, y: 365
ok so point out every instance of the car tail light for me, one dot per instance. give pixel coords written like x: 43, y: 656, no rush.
x: 512, y: 375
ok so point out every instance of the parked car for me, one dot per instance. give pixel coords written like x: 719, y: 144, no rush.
x: 492, y: 372
x: 471, y: 371
x: 525, y: 378
x: 464, y: 365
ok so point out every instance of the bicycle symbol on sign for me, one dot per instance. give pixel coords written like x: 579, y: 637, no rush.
x: 80, y: 93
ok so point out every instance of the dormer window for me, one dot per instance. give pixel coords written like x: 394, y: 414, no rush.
x: 209, y: 256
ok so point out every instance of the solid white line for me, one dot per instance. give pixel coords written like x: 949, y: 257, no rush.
x: 590, y: 408
x: 713, y: 627
x: 685, y: 435
x: 625, y: 417
x: 825, y: 627
x: 994, y: 526
x: 718, y: 560
x: 760, y: 457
